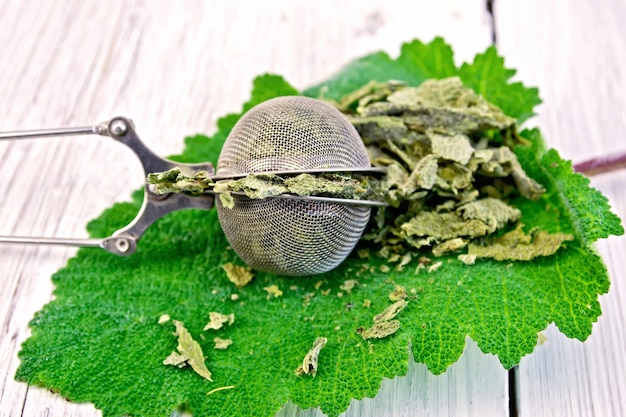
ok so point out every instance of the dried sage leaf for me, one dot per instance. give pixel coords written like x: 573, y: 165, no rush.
x: 189, y: 352
x: 439, y: 227
x: 528, y: 187
x: 503, y: 163
x: 519, y: 246
x: 309, y: 363
x: 391, y: 312
x: 455, y: 148
x: 449, y: 246
x: 379, y: 129
x: 492, y: 212
x: 380, y: 330
x: 423, y: 176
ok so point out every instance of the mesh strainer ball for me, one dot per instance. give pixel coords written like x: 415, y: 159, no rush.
x: 282, y: 236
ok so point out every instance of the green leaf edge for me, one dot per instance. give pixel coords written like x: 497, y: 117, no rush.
x: 574, y: 190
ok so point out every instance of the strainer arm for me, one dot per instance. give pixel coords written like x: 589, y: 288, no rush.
x: 122, y: 130
x: 124, y: 241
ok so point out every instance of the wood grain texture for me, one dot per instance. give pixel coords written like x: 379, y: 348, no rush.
x: 575, y: 52
x: 175, y: 67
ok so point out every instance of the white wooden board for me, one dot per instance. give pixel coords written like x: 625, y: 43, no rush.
x: 575, y: 52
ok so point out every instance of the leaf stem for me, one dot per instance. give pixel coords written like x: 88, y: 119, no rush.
x: 220, y: 389
x: 601, y: 164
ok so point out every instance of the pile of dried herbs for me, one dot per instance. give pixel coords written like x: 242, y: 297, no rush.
x: 450, y: 170
x: 450, y: 173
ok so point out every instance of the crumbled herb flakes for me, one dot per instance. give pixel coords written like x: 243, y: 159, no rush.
x: 259, y: 185
x: 273, y: 291
x: 218, y: 320
x: 227, y: 200
x: 222, y: 343
x: 398, y: 293
x: 334, y: 185
x: 467, y: 259
x: 238, y: 275
x: 348, y: 285
x: 164, y: 318
x: 174, y: 181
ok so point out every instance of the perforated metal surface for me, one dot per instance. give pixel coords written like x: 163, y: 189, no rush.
x: 286, y: 236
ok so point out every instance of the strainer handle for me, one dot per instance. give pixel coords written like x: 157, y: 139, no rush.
x: 124, y: 241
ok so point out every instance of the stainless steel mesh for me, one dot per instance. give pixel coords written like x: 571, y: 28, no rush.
x: 292, y: 237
